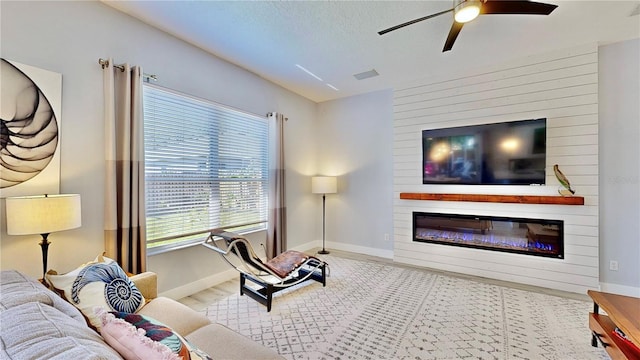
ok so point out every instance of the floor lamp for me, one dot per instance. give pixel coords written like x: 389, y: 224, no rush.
x: 43, y: 214
x: 324, y: 185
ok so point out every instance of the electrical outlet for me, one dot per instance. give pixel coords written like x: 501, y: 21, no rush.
x: 613, y: 265
x: 386, y: 237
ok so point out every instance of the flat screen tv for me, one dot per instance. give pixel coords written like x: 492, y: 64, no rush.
x: 509, y: 153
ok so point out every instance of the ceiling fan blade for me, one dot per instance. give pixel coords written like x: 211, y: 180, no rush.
x: 516, y: 7
x: 453, y: 34
x: 413, y: 22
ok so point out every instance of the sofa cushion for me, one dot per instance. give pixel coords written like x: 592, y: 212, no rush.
x: 136, y: 336
x: 38, y: 331
x: 17, y: 289
x: 220, y: 342
x: 99, y: 283
x: 180, y: 317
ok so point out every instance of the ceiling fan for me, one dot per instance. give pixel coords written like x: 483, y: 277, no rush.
x: 467, y: 10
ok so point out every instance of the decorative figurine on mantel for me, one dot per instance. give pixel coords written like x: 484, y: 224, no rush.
x: 567, y: 191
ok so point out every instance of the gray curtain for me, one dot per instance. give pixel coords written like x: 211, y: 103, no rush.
x: 277, y: 221
x: 125, y: 219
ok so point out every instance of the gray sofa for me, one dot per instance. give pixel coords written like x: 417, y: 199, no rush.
x: 36, y: 323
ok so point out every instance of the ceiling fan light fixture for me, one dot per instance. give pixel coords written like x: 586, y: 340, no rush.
x: 467, y: 10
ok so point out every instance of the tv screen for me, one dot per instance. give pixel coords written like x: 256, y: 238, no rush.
x: 510, y: 153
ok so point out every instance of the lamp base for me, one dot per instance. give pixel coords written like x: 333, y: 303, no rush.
x: 323, y: 252
x: 44, y: 244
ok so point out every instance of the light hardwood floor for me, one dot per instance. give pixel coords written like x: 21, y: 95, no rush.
x: 200, y: 300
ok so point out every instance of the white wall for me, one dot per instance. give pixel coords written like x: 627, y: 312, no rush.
x: 561, y: 86
x: 354, y: 142
x: 68, y: 38
x: 617, y: 181
x: 619, y: 135
x: 360, y: 151
x: 616, y: 74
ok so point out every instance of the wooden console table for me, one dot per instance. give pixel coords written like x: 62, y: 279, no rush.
x: 622, y: 312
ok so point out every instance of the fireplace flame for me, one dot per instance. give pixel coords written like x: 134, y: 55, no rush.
x: 487, y: 240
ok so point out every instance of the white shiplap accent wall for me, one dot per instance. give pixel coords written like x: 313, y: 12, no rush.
x: 561, y: 86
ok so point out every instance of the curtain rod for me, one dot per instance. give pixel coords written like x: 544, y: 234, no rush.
x: 104, y: 63
x: 273, y: 112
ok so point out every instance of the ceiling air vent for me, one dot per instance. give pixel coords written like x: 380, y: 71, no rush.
x: 366, y: 74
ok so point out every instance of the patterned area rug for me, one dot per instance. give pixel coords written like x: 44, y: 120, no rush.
x: 373, y: 310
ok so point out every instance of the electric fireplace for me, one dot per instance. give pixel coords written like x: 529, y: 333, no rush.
x: 537, y: 237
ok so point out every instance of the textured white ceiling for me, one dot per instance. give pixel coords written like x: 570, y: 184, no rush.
x: 337, y: 39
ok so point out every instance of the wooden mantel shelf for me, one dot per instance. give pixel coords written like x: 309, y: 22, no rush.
x: 517, y: 199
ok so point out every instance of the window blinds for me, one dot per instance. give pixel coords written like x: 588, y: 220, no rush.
x: 206, y: 166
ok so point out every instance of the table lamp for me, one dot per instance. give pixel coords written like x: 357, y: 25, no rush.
x: 43, y: 214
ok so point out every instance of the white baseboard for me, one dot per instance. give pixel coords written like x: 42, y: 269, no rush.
x: 199, y: 285
x: 215, y: 279
x: 364, y: 250
x: 218, y: 278
x: 307, y: 246
x: 620, y: 289
x: 387, y: 254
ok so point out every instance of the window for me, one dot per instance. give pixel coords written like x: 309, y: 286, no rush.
x: 206, y: 167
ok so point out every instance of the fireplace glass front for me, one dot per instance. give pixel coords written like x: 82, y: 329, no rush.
x: 538, y: 237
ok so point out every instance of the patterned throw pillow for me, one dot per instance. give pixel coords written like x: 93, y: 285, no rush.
x: 139, y: 337
x: 100, y: 283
